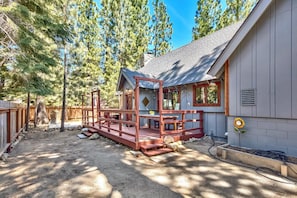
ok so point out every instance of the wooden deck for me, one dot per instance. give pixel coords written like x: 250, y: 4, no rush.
x: 124, y: 125
x: 147, y: 136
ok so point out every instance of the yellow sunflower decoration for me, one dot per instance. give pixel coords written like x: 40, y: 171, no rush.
x: 238, y: 125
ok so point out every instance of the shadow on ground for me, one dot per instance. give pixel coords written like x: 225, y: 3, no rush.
x: 53, y: 164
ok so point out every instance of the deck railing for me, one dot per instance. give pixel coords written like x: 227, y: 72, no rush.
x: 107, y: 118
x: 113, y: 120
x: 12, y: 121
x: 187, y: 121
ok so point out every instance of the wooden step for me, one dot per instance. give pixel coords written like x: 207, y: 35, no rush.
x: 154, y: 149
x: 158, y: 151
x: 87, y: 133
x: 150, y: 141
x: 151, y: 146
x: 92, y: 130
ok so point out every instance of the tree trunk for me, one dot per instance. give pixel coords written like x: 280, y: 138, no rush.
x: 40, y: 114
x: 64, y: 92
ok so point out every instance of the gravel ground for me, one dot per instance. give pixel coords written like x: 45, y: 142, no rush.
x: 54, y: 164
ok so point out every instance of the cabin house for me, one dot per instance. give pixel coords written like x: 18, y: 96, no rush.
x: 170, y: 98
x: 259, y: 68
x: 247, y: 70
x: 186, y: 83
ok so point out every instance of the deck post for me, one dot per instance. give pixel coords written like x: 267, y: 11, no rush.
x: 93, y: 113
x: 108, y: 122
x: 120, y: 124
x: 183, y: 123
x: 161, y: 127
x: 98, y: 108
x: 137, y: 124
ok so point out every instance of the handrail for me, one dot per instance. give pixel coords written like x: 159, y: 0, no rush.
x: 181, y: 122
x: 181, y: 111
x: 117, y: 111
x: 104, y: 118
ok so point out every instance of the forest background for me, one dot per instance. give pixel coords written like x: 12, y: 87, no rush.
x: 59, y: 50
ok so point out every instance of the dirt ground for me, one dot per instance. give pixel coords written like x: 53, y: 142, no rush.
x: 54, y: 164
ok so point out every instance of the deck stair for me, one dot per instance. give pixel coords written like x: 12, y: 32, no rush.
x: 154, y: 149
x: 91, y: 130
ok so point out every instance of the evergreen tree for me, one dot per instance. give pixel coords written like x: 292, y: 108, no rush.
x: 33, y: 27
x: 85, y: 73
x: 236, y: 10
x: 131, y: 31
x: 161, y: 29
x: 206, y: 18
x: 124, y: 39
x: 112, y: 33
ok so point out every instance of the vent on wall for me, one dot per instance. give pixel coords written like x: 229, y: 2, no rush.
x: 248, y: 97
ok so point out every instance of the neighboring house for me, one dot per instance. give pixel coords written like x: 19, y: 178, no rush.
x: 186, y: 84
x: 259, y: 67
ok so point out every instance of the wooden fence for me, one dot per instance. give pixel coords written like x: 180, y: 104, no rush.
x: 12, y: 121
x: 72, y: 113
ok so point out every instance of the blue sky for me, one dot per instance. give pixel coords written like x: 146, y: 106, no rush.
x: 182, y: 13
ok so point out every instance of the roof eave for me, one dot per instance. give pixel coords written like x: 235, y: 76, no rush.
x: 123, y: 75
x: 119, y: 80
x: 247, y: 25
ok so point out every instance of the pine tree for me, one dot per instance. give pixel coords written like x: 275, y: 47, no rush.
x: 161, y: 29
x: 33, y: 27
x: 124, y: 39
x: 206, y: 18
x: 112, y: 33
x: 85, y: 73
x: 236, y: 10
x: 132, y: 31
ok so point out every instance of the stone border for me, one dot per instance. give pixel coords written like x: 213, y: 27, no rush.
x: 257, y: 161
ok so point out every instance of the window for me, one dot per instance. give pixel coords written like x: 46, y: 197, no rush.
x: 206, y: 94
x: 171, y: 99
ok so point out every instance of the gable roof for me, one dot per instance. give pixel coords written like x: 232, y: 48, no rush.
x: 250, y: 21
x: 185, y: 65
x: 128, y: 74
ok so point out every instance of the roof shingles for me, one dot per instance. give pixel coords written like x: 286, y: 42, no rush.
x: 190, y: 63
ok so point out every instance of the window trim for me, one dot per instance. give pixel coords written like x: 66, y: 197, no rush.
x: 206, y: 85
x: 165, y: 91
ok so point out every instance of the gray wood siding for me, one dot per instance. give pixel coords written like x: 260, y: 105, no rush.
x: 151, y: 96
x: 214, y: 117
x: 266, y: 61
x: 265, y: 134
x: 283, y: 63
